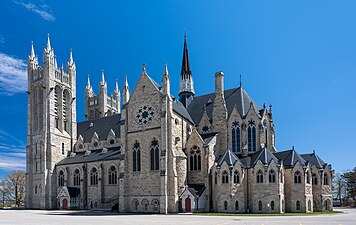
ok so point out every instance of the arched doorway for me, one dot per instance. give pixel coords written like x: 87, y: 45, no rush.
x: 65, y: 203
x: 188, y: 206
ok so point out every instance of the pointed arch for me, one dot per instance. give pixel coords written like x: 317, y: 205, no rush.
x: 136, y: 157
x: 251, y: 134
x: 154, y: 153
x: 112, y: 175
x: 195, y: 158
x: 236, y: 137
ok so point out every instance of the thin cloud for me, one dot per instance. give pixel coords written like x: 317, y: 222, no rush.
x: 13, y: 76
x: 12, y: 157
x: 42, y: 10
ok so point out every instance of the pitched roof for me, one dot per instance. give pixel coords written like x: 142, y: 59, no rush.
x: 314, y: 159
x: 208, y: 137
x: 265, y: 156
x: 235, y: 96
x: 196, y: 189
x: 290, y: 158
x: 179, y: 108
x: 101, y: 126
x: 229, y: 157
x: 94, y: 156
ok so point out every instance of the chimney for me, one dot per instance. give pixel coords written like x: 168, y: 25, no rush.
x: 219, y: 83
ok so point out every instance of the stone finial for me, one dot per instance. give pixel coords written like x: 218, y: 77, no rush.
x: 48, y: 46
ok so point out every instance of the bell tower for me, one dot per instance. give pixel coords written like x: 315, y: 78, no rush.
x: 51, y: 124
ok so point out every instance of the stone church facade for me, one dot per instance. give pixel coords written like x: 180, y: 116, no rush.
x: 147, y: 151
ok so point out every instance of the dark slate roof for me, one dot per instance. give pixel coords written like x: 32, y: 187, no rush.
x: 207, y: 137
x: 196, y: 189
x: 265, y: 156
x: 73, y: 192
x: 229, y: 157
x: 95, y: 156
x: 290, y: 158
x: 179, y: 108
x: 314, y: 159
x: 101, y: 126
x: 236, y: 96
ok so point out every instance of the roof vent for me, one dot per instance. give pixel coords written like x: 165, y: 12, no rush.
x: 91, y: 124
x: 72, y: 154
x: 87, y: 152
x: 105, y: 150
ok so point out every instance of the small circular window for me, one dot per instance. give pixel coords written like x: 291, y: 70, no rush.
x: 95, y: 144
x: 112, y: 141
x: 176, y: 121
x: 81, y: 146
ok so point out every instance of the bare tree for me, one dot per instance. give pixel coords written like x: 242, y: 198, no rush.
x: 12, y: 187
x: 340, y: 187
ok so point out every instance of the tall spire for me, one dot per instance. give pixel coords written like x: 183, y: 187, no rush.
x: 185, y: 72
x: 102, y: 82
x: 48, y: 47
x: 32, y: 55
x: 116, y: 86
x: 71, y: 57
x: 88, y: 84
x: 125, y: 92
x: 186, y: 85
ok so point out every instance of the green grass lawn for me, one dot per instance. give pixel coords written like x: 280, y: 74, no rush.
x: 268, y: 214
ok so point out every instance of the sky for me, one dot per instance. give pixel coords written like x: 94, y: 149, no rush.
x: 299, y: 56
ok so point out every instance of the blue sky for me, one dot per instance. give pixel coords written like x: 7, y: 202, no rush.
x: 300, y: 56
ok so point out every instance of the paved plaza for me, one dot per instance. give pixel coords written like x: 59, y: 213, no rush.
x: 36, y: 217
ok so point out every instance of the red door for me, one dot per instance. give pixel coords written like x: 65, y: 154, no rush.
x: 188, y: 206
x: 65, y: 203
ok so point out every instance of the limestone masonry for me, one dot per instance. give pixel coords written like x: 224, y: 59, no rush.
x: 151, y: 152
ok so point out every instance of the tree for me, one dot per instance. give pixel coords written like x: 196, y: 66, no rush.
x: 350, y: 178
x: 12, y: 187
x: 340, y: 187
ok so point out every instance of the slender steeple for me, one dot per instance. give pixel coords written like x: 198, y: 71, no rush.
x: 186, y: 86
x: 32, y: 54
x: 48, y: 46
x: 125, y: 92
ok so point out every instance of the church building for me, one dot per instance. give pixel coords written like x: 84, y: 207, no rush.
x: 147, y: 151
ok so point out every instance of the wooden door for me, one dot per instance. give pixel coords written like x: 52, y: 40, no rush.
x: 65, y: 204
x: 188, y: 206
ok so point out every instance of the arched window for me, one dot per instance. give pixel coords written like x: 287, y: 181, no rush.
x: 56, y: 106
x: 154, y: 155
x: 314, y: 179
x: 272, y: 205
x: 297, y: 177
x: 260, y: 206
x: 195, y: 158
x: 326, y: 179
x: 65, y: 109
x: 235, y: 137
x: 265, y: 127
x: 94, y: 176
x: 61, y: 178
x: 225, y: 177
x: 251, y: 133
x: 135, y: 204
x: 259, y: 177
x: 136, y: 157
x: 272, y: 176
x: 76, y: 177
x: 112, y: 175
x: 236, y: 177
x: 225, y: 205
x: 144, y: 204
x: 216, y: 178
x: 237, y: 205
x: 155, y: 204
x: 297, y: 205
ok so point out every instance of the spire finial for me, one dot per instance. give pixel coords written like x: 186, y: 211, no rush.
x: 102, y: 82
x: 165, y: 68
x: 144, y: 67
x: 48, y: 47
x: 264, y: 106
x: 240, y: 80
x: 270, y: 108
x: 126, y: 84
x: 117, y: 86
x: 71, y: 57
x: 88, y: 85
x: 32, y: 55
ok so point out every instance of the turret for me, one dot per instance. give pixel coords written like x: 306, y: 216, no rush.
x: 166, y: 82
x: 48, y: 53
x: 32, y: 59
x: 125, y: 92
x: 186, y: 85
x: 116, y: 97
